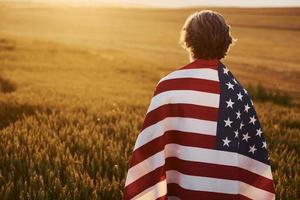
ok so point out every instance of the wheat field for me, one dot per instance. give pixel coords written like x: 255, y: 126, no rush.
x: 75, y: 84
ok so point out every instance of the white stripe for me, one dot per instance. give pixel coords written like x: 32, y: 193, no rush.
x: 198, y: 183
x: 254, y: 192
x: 184, y: 96
x: 204, y: 127
x: 154, y: 192
x: 198, y: 155
x: 203, y: 73
x: 218, y: 157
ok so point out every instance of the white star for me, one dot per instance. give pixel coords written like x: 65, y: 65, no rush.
x: 252, y: 120
x: 264, y: 145
x: 246, y: 92
x: 230, y: 86
x: 238, y: 114
x: 225, y: 70
x: 252, y: 149
x: 247, y: 108
x: 236, y: 133
x: 241, y: 125
x: 235, y: 81
x: 226, y: 142
x: 240, y: 96
x: 229, y: 103
x: 258, y: 132
x: 228, y: 122
x: 246, y: 137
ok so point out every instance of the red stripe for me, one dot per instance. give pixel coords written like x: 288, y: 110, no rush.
x: 176, y: 190
x: 219, y: 171
x: 163, y: 198
x: 188, y: 84
x: 177, y: 137
x: 144, y: 182
x: 180, y: 110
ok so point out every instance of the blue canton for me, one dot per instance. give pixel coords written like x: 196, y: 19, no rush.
x: 238, y: 128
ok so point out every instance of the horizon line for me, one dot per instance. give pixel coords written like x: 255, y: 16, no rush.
x: 134, y: 5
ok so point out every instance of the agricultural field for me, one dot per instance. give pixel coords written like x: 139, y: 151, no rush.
x: 75, y: 84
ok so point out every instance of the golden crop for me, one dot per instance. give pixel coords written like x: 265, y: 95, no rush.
x: 76, y: 82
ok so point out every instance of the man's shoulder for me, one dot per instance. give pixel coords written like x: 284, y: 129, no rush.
x: 191, y: 71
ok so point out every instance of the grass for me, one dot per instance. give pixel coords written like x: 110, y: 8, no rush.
x: 6, y: 86
x: 259, y: 93
x: 81, y: 88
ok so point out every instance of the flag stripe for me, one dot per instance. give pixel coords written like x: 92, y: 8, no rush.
x: 163, y: 198
x: 188, y: 84
x: 199, y: 73
x: 172, y: 136
x: 175, y: 189
x: 219, y: 171
x: 200, y: 169
x: 195, y: 185
x: 184, y: 96
x: 218, y: 157
x: 198, y: 155
x: 145, y: 167
x: 172, y: 197
x: 146, y: 181
x: 154, y: 192
x: 175, y: 123
x: 180, y: 110
x: 216, y: 185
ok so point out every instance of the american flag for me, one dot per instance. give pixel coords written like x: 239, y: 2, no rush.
x: 201, y: 139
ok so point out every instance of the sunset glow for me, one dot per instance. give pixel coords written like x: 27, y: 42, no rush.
x: 170, y: 3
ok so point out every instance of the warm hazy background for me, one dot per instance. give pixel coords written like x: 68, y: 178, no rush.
x: 75, y: 83
x: 167, y: 3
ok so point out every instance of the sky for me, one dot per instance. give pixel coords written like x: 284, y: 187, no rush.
x: 175, y: 3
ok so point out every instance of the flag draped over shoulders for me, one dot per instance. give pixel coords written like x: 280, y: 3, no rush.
x: 201, y: 139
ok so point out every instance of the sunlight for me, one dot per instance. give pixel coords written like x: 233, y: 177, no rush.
x: 171, y: 3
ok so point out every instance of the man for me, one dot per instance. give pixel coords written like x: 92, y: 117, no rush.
x: 201, y: 138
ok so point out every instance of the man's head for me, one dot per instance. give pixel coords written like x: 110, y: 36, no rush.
x: 206, y: 35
